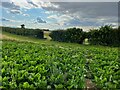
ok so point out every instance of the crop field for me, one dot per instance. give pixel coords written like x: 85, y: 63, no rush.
x: 54, y: 45
x: 28, y: 65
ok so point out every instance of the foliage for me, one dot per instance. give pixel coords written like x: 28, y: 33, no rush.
x: 103, y: 68
x: 24, y: 32
x: 105, y: 35
x: 73, y: 35
x: 39, y: 66
x: 27, y: 65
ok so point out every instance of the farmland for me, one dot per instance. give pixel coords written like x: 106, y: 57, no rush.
x: 59, y: 45
x: 58, y: 65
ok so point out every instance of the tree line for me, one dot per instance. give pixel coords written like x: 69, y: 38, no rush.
x: 105, y: 35
x: 25, y: 32
x: 74, y: 35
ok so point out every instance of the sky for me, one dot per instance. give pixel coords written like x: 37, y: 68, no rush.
x: 51, y: 14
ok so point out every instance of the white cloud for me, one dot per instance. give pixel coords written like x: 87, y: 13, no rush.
x: 26, y: 15
x: 114, y: 25
x: 22, y: 4
x: 61, y: 19
x: 49, y: 4
x: 85, y: 13
x: 47, y: 12
x: 3, y: 19
x: 66, y: 13
x: 28, y: 4
x: 52, y: 17
x: 13, y: 11
x: 7, y: 20
x: 72, y: 0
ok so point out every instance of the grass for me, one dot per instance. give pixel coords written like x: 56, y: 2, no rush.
x: 35, y: 40
x: 20, y: 38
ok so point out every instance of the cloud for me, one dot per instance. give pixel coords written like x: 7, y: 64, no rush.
x: 3, y: 19
x: 61, y: 19
x: 91, y: 13
x: 33, y: 3
x: 7, y: 20
x: 14, y: 7
x: 10, y: 5
x: 15, y: 11
x: 92, y: 9
x: 49, y: 5
x: 49, y: 12
x: 68, y: 13
x: 27, y: 4
x: 39, y: 20
x: 26, y: 15
x: 23, y: 4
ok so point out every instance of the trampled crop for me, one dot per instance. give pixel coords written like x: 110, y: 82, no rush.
x: 28, y: 65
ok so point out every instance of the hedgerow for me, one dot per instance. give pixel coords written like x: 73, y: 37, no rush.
x: 25, y: 32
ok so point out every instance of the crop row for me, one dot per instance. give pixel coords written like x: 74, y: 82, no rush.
x: 35, y: 66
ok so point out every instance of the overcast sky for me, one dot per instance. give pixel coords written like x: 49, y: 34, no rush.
x: 58, y: 15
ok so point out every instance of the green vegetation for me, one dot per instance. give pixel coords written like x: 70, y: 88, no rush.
x: 25, y: 32
x: 19, y: 38
x: 73, y: 35
x: 103, y: 67
x: 34, y: 66
x: 39, y: 66
x: 32, y: 63
x: 105, y: 35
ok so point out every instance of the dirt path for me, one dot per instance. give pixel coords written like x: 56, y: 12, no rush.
x: 90, y: 85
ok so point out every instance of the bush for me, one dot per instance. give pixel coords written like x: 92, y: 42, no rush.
x: 105, y: 35
x: 73, y: 35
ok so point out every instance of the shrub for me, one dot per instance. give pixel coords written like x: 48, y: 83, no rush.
x: 73, y: 35
x: 105, y: 35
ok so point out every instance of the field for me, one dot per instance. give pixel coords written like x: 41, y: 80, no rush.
x: 46, y: 64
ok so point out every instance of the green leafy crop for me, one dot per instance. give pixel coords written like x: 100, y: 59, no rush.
x: 37, y: 66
